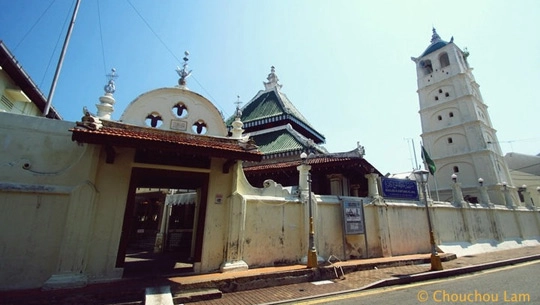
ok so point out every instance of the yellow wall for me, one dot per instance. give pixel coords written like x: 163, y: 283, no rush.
x: 40, y: 171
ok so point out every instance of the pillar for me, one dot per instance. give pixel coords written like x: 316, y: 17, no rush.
x: 529, y: 203
x: 234, y: 252
x: 303, y: 170
x: 373, y: 190
x: 484, y: 196
x: 336, y: 184
x: 457, y: 195
x: 160, y: 236
x: 509, y: 202
x: 76, y: 241
x: 354, y: 190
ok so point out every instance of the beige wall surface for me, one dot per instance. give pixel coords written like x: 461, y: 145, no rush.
x: 30, y: 237
x: 112, y: 184
x: 217, y: 216
x: 41, y: 169
x: 276, y: 227
x: 62, y: 208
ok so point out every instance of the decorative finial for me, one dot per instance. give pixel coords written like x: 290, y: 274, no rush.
x: 110, y: 87
x: 435, y: 37
x: 272, y: 80
x: 238, y: 111
x: 105, y: 107
x: 183, y: 73
x: 237, y: 125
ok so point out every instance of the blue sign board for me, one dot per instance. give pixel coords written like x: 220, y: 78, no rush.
x: 404, y: 189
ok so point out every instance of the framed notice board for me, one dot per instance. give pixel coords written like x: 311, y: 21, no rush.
x: 353, y: 215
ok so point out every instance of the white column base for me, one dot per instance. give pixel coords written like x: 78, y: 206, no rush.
x: 239, y: 265
x: 65, y: 280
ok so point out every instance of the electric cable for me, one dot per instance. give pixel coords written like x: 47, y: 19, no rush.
x: 33, y: 25
x: 60, y: 36
x: 170, y: 51
x: 101, y: 38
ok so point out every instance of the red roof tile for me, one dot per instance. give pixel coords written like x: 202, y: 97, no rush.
x: 140, y: 137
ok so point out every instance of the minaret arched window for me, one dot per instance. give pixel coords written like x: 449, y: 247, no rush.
x: 456, y: 169
x: 443, y: 60
x: 426, y: 66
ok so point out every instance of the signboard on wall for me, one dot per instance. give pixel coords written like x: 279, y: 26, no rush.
x: 353, y: 215
x: 403, y: 189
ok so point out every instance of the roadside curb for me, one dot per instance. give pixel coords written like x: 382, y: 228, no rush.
x: 421, y: 277
x: 450, y: 272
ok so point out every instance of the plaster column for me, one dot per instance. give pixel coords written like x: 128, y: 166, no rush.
x: 509, y: 202
x: 236, y: 228
x: 354, y: 190
x: 373, y: 190
x: 384, y: 231
x: 484, y: 196
x: 336, y: 184
x: 303, y: 170
x: 160, y: 236
x: 457, y: 196
x: 73, y: 254
x: 529, y: 203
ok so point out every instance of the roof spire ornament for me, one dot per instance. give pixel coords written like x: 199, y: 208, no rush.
x: 435, y: 37
x: 105, y: 109
x: 238, y: 112
x: 272, y: 80
x: 237, y: 125
x: 183, y: 73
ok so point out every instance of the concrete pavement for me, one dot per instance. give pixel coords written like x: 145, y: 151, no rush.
x: 276, y: 284
x: 400, y: 273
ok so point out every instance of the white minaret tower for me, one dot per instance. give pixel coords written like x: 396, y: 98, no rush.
x: 456, y: 128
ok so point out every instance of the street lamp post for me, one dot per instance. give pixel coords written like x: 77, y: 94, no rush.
x: 422, y: 176
x: 312, y: 252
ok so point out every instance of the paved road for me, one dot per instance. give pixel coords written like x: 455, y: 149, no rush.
x: 514, y: 284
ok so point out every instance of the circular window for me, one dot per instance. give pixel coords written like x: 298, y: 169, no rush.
x: 154, y: 120
x: 180, y: 110
x: 199, y: 127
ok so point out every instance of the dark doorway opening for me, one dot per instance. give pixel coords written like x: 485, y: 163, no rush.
x: 163, y: 223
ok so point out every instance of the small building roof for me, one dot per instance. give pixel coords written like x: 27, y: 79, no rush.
x: 23, y: 80
x: 350, y: 164
x: 124, y: 135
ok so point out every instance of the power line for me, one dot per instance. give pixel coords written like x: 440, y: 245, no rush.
x: 55, y: 47
x: 169, y: 50
x: 101, y: 38
x: 33, y: 25
x: 154, y: 32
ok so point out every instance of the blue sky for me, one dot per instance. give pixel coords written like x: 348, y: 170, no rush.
x: 344, y: 64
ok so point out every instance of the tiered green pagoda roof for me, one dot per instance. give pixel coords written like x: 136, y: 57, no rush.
x: 275, y: 124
